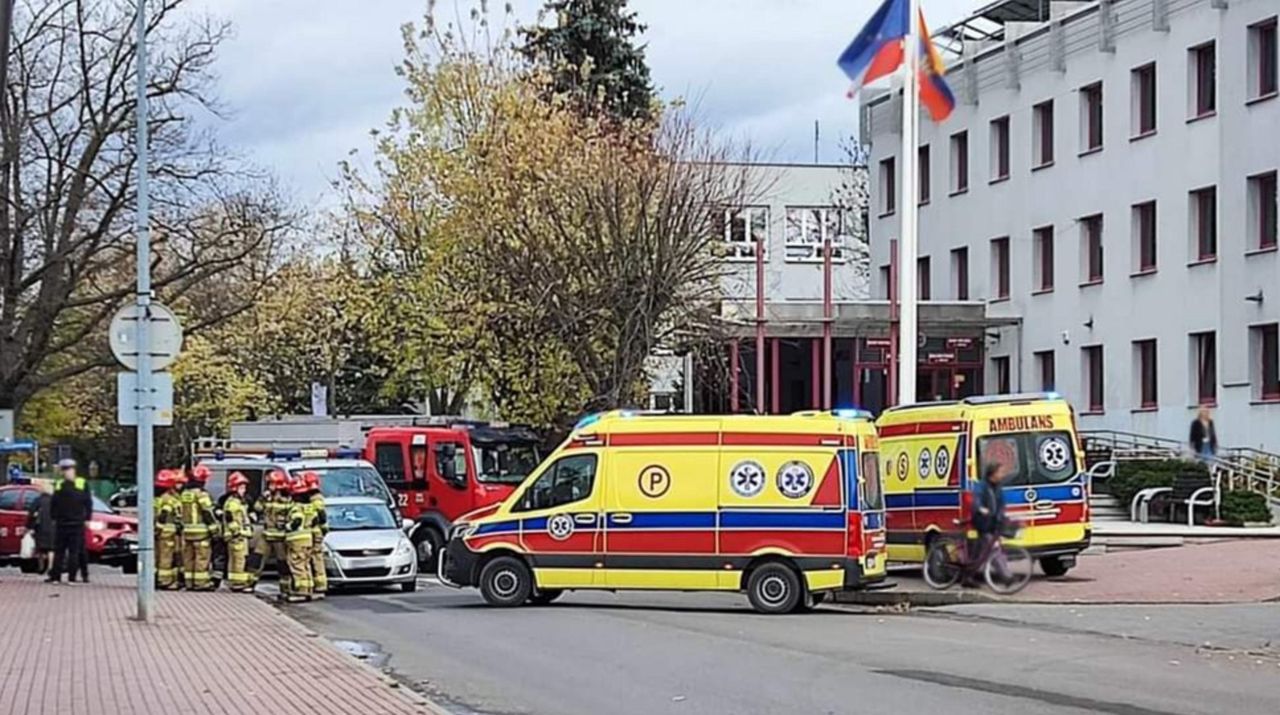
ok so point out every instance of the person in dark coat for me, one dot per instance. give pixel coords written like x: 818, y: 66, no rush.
x: 41, y: 525
x: 71, y: 508
x: 1204, y: 435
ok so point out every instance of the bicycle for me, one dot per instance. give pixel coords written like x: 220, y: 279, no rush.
x: 947, y: 562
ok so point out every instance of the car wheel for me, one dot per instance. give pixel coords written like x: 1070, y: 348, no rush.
x: 427, y: 542
x: 775, y: 588
x: 1054, y: 566
x: 545, y: 596
x: 129, y: 567
x: 506, y: 582
x: 409, y: 586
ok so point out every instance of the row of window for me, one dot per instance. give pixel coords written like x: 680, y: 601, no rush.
x: 1264, y: 351
x: 1263, y: 235
x: 807, y: 228
x: 1263, y: 83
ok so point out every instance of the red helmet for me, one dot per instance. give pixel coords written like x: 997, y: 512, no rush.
x: 200, y: 473
x: 237, y: 480
x: 298, y: 485
x: 165, y: 479
x: 179, y: 477
x: 311, y: 480
x: 277, y: 479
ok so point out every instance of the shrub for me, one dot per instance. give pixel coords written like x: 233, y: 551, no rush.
x: 1132, y: 477
x: 1240, y: 507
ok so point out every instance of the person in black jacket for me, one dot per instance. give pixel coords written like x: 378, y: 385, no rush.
x: 40, y: 524
x: 1204, y: 435
x: 71, y: 508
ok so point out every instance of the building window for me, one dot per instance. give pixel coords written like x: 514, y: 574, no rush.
x: 1042, y: 250
x: 959, y: 162
x: 1091, y: 248
x: 1204, y: 223
x: 1142, y: 105
x: 999, y: 149
x: 1144, y: 237
x: 888, y: 186
x: 1262, y: 212
x: 1091, y: 118
x: 960, y: 273
x: 924, y: 280
x: 1091, y: 361
x: 1046, y: 370
x: 1262, y: 60
x: 885, y: 282
x: 808, y: 227
x: 1000, y: 267
x: 1144, y: 355
x: 1000, y: 367
x: 923, y: 166
x: 1204, y: 368
x: 1042, y: 134
x: 1202, y: 86
x: 1266, y: 351
x: 745, y: 230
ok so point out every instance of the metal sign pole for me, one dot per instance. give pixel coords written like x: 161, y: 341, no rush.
x: 146, y: 491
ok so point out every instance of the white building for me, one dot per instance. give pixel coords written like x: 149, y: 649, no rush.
x: 1108, y: 179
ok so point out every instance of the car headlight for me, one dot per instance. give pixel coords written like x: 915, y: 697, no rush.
x: 96, y: 525
x: 404, y: 548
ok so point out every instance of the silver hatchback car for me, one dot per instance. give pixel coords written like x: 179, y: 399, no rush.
x: 365, y: 545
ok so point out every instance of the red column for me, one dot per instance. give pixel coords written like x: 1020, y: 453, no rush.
x: 891, y: 375
x: 815, y: 373
x: 759, y: 405
x: 733, y: 375
x: 827, y: 318
x: 775, y: 378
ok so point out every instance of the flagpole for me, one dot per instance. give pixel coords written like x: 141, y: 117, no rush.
x: 909, y: 242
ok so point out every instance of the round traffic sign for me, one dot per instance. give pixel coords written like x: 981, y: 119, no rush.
x: 166, y: 336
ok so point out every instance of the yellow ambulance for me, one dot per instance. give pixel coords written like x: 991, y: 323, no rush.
x: 786, y: 508
x: 932, y: 452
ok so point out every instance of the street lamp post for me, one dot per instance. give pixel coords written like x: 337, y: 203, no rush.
x: 143, y: 393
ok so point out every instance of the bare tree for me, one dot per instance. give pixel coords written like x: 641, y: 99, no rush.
x: 853, y: 197
x: 68, y: 190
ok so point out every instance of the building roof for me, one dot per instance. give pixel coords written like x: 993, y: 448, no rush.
x: 988, y: 24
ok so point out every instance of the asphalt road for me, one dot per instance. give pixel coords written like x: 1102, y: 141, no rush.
x: 707, y: 653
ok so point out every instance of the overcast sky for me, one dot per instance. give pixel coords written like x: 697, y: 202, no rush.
x: 306, y: 80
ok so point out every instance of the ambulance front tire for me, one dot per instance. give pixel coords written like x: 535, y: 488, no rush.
x: 1054, y: 566
x: 774, y: 588
x: 506, y: 582
x: 427, y: 542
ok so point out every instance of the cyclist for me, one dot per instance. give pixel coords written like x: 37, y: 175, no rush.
x: 988, y: 515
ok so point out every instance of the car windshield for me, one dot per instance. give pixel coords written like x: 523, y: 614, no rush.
x: 356, y: 517
x: 351, y: 482
x: 1031, y: 457
x: 503, y: 463
x: 101, y: 507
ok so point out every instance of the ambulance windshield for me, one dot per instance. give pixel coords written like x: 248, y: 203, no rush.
x: 1031, y: 457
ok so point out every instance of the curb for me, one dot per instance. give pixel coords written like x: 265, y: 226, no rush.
x: 914, y: 599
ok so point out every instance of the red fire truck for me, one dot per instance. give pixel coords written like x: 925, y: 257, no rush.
x: 439, y: 467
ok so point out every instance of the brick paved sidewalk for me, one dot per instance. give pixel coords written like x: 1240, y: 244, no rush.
x: 75, y: 650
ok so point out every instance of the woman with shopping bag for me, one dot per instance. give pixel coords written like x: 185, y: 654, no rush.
x: 40, y: 529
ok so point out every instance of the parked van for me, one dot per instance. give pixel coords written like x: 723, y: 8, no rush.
x: 786, y: 508
x: 932, y: 452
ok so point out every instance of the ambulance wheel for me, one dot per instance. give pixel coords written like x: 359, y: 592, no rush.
x: 1054, y: 566
x: 775, y: 588
x: 506, y: 582
x: 545, y: 595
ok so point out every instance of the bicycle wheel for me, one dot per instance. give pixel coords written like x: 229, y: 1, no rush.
x: 942, y: 563
x: 1018, y: 567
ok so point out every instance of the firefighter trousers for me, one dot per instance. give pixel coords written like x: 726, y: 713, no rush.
x: 298, y: 550
x: 196, y: 554
x: 166, y: 555
x: 319, y: 578
x: 238, y: 576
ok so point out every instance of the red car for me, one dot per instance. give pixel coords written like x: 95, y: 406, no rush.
x: 110, y: 539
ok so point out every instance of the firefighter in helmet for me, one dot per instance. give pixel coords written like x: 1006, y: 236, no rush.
x: 319, y: 527
x: 198, y: 525
x: 298, y: 542
x: 272, y: 510
x: 235, y: 531
x: 166, y: 528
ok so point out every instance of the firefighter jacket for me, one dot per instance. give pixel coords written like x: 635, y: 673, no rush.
x: 273, y: 512
x: 299, y: 525
x: 166, y: 510
x: 319, y: 518
x: 235, y: 519
x: 195, y: 514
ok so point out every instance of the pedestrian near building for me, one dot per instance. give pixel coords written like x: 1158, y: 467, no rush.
x: 70, y: 507
x: 1204, y: 435
x: 197, y: 522
x: 319, y: 527
x: 166, y: 519
x: 235, y: 531
x: 272, y: 509
x: 298, y: 543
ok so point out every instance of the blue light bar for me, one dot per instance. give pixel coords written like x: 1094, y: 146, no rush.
x: 851, y: 413
x: 588, y: 421
x: 285, y: 454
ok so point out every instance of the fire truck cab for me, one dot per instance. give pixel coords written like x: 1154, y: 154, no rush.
x: 439, y: 468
